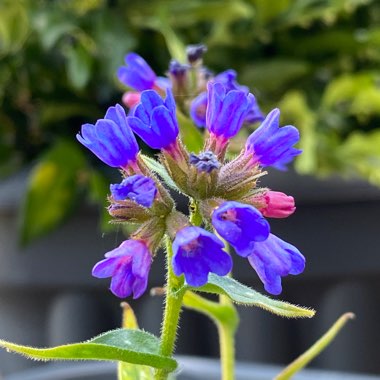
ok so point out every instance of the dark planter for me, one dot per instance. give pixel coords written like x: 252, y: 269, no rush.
x: 48, y: 296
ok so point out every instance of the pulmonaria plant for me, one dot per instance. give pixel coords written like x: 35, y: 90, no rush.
x: 228, y: 210
x: 228, y: 217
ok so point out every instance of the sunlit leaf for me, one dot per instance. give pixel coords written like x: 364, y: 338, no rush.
x: 131, y: 346
x: 244, y: 295
x: 129, y: 371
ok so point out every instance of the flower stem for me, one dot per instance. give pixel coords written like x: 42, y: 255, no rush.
x: 173, y: 303
x: 315, y: 349
x: 227, y: 342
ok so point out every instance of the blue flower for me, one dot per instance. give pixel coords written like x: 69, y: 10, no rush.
x: 226, y: 110
x: 198, y: 252
x: 271, y: 145
x: 111, y: 139
x: 241, y: 225
x: 138, y: 188
x: 154, y: 119
x: 129, y: 266
x: 273, y: 259
x: 137, y: 74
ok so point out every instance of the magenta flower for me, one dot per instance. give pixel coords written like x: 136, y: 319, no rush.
x: 277, y: 205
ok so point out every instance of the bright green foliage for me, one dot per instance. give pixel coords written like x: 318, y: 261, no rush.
x: 244, y: 295
x: 129, y: 371
x: 52, y: 190
x: 131, y: 346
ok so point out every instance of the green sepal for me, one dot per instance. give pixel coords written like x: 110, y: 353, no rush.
x: 130, y: 346
x: 242, y: 294
x: 160, y: 170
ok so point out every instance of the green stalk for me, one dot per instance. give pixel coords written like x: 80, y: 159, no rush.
x: 227, y: 342
x: 315, y: 349
x: 173, y: 303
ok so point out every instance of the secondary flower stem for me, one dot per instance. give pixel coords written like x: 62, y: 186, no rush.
x: 173, y: 304
x: 227, y: 343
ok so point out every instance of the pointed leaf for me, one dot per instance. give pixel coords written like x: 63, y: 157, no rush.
x: 129, y: 371
x: 131, y: 346
x: 157, y: 168
x: 244, y: 295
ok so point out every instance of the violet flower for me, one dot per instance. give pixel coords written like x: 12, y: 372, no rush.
x: 271, y: 145
x: 154, y: 119
x: 111, y: 139
x: 138, y: 188
x: 129, y: 266
x: 196, y: 253
x: 137, y: 74
x: 241, y: 225
x: 274, y: 258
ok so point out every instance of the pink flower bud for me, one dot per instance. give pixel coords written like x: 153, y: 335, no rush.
x: 278, y: 205
x: 130, y: 98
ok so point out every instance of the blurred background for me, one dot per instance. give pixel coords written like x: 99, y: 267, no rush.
x: 317, y: 60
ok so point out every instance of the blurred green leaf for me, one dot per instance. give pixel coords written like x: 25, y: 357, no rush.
x: 357, y: 94
x: 79, y: 65
x: 361, y: 154
x: 52, y: 190
x: 244, y: 295
x: 99, y: 189
x: 273, y: 75
x: 14, y: 25
x: 131, y: 346
x: 190, y: 134
x: 295, y: 111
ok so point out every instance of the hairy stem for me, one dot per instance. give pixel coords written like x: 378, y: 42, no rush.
x: 173, y: 304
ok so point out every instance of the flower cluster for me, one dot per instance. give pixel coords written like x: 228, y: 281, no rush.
x: 229, y: 206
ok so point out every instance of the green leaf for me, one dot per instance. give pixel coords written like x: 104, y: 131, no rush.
x: 131, y: 346
x: 190, y: 134
x: 157, y: 168
x: 274, y: 75
x: 99, y: 188
x: 52, y: 190
x: 14, y: 26
x: 244, y: 295
x: 295, y: 111
x: 79, y: 65
x: 129, y: 371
